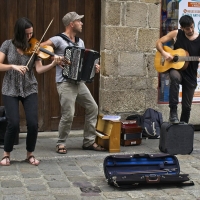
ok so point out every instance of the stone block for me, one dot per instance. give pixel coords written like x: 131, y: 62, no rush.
x: 111, y: 13
x: 152, y: 83
x: 136, y: 14
x: 131, y: 64
x: 151, y: 98
x: 121, y: 101
x: 123, y: 83
x: 118, y: 38
x: 194, y: 115
x: 147, y: 39
x: 109, y: 63
x: 150, y: 66
x: 154, y: 16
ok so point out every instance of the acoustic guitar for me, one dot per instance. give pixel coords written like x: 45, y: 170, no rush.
x: 180, y: 60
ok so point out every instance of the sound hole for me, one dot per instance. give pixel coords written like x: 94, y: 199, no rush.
x: 175, y: 59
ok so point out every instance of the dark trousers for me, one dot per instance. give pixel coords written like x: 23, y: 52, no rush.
x: 187, y: 94
x: 30, y: 105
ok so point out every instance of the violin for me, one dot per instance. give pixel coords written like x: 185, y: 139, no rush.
x: 43, y: 52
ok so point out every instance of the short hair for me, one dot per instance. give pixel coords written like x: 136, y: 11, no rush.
x: 186, y: 21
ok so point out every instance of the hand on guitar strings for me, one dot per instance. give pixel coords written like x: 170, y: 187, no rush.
x: 167, y: 56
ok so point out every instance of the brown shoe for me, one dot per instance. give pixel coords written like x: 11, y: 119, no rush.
x: 61, y: 149
x: 94, y: 147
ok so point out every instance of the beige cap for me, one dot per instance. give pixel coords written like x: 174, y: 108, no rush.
x: 70, y: 17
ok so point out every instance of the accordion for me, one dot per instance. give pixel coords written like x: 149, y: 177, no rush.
x: 81, y: 64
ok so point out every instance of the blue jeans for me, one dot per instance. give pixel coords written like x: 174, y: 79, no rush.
x: 69, y: 93
x: 30, y: 104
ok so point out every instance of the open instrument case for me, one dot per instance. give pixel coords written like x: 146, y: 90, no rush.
x: 136, y: 169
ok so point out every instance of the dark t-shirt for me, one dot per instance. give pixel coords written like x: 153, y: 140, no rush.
x: 193, y: 48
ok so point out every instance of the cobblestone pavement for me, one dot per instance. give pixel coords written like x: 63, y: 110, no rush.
x: 79, y: 174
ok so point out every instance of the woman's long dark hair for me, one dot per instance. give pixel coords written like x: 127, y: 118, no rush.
x: 20, y: 39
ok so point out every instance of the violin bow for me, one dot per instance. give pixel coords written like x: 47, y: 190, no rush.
x: 39, y: 42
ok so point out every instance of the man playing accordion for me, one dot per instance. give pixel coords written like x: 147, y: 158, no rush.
x: 71, y: 91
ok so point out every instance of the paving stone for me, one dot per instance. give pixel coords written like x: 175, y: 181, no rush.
x: 55, y: 177
x: 51, y: 171
x: 13, y: 191
x: 90, y: 168
x: 114, y: 195
x: 15, y: 197
x: 66, y: 191
x: 195, y: 193
x: 30, y: 181
x: 95, y: 174
x: 7, y: 173
x: 90, y: 189
x: 76, y: 179
x: 175, y: 191
x: 87, y: 197
x: 36, y: 187
x: 185, y: 197
x: 47, y: 197
x: 11, y: 184
x: 58, y: 184
x: 31, y: 175
x: 73, y: 173
x: 82, y: 184
x: 106, y: 188
x: 70, y: 168
x: 64, y: 197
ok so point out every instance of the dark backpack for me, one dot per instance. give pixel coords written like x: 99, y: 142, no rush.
x: 138, y: 118
x: 150, y: 122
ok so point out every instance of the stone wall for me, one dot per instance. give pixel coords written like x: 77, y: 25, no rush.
x: 128, y: 80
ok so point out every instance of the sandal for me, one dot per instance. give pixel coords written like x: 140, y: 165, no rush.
x: 61, y: 149
x: 7, y: 158
x: 28, y: 160
x: 91, y: 147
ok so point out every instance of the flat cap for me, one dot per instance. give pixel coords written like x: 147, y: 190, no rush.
x: 70, y: 17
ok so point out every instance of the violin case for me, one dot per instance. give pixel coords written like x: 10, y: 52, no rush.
x: 176, y: 138
x: 131, y: 133
x: 141, y: 169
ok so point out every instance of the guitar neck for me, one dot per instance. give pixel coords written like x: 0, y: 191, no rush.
x: 188, y: 58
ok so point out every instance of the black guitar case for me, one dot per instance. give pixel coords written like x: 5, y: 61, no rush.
x: 176, y: 138
x: 138, y: 169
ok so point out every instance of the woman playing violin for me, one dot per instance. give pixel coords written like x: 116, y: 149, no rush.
x: 20, y: 84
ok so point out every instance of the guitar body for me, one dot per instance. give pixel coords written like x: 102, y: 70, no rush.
x: 162, y: 65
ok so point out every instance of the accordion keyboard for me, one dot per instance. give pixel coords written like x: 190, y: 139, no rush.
x: 71, y: 70
x: 81, y: 66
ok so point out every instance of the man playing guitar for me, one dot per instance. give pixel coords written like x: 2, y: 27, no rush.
x: 189, y: 40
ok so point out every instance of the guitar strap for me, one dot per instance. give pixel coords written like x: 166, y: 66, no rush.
x: 68, y: 39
